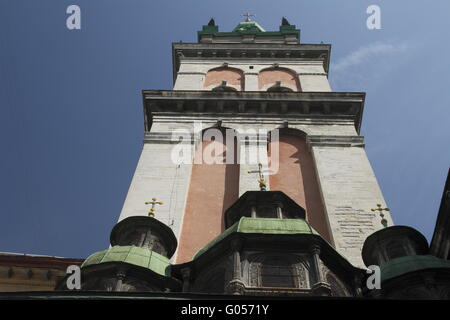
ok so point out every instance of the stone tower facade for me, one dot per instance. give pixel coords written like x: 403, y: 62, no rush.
x: 267, y: 97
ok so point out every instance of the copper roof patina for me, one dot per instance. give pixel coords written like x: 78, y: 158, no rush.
x: 262, y: 226
x: 132, y: 255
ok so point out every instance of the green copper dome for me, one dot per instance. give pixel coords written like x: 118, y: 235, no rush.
x: 132, y: 255
x: 400, y: 266
x: 248, y: 27
x: 262, y: 226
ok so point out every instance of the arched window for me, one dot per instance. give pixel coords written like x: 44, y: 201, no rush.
x: 278, y: 79
x: 278, y: 270
x: 277, y: 273
x: 224, y: 77
x: 267, y: 211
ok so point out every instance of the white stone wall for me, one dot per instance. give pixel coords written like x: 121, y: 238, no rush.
x: 157, y: 176
x: 191, y: 74
x: 189, y: 81
x: 349, y: 190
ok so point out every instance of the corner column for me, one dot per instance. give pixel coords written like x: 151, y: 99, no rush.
x: 236, y: 286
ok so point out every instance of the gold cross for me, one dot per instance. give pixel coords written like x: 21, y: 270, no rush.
x: 247, y: 15
x: 261, y: 180
x: 151, y: 213
x: 380, y: 210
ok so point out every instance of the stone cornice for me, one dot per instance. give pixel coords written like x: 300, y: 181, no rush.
x: 312, y: 141
x: 255, y: 73
x: 175, y: 137
x: 36, y: 261
x: 291, y: 105
x: 191, y: 72
x: 243, y: 119
x: 335, y: 141
x: 312, y: 74
x: 168, y: 138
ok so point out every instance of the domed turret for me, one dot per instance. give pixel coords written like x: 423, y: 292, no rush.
x: 393, y: 242
x: 407, y: 268
x: 137, y: 261
x: 144, y: 232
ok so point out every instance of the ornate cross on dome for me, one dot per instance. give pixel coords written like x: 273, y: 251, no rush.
x: 380, y: 210
x: 151, y: 213
x: 261, y: 180
x: 248, y: 15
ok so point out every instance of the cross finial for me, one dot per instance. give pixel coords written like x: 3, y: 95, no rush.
x: 151, y: 213
x: 380, y: 210
x: 261, y: 180
x: 247, y: 15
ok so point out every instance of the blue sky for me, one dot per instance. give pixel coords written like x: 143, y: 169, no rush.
x: 71, y: 122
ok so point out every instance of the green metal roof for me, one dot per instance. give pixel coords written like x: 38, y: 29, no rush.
x: 262, y: 226
x: 400, y: 266
x: 248, y: 26
x: 132, y: 255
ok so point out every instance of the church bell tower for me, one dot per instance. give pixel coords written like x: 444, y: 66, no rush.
x: 253, y: 100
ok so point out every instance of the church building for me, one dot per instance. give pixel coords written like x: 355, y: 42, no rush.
x: 253, y: 180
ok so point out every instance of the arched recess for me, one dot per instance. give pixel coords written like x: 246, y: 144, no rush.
x: 278, y: 88
x: 224, y: 77
x: 223, y: 88
x: 276, y: 76
x: 214, y: 186
x: 268, y: 269
x: 293, y: 172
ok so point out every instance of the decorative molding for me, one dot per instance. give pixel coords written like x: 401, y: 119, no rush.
x: 191, y: 73
x: 334, y: 106
x: 167, y: 138
x: 335, y: 141
x: 232, y: 120
x: 235, y: 287
x: 312, y: 74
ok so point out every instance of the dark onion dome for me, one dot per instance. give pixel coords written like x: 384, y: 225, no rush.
x: 393, y: 242
x: 145, y: 232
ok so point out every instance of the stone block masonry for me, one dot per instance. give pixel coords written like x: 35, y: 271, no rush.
x: 349, y: 190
